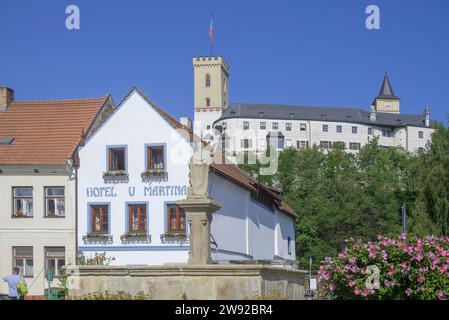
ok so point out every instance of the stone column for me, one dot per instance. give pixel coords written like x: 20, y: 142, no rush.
x: 199, y: 214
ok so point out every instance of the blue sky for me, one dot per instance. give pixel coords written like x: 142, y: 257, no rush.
x: 295, y: 52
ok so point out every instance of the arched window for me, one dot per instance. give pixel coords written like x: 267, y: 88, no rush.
x: 207, y: 80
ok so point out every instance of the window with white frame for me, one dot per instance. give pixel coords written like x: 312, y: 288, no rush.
x: 302, y: 144
x: 303, y: 127
x: 245, y: 125
x: 55, y: 260
x: 421, y: 134
x: 370, y: 131
x: 23, y: 259
x: 275, y: 125
x: 263, y: 125
x: 325, y: 145
x: 354, y: 130
x: 22, y: 202
x: 54, y: 202
x: 325, y: 128
x: 288, y: 126
x: 339, y: 129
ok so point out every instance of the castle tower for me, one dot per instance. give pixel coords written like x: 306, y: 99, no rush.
x: 210, y: 93
x: 386, y: 101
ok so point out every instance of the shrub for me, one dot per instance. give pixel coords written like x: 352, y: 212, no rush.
x: 402, y: 268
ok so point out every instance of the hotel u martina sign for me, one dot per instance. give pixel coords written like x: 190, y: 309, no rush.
x: 148, y: 191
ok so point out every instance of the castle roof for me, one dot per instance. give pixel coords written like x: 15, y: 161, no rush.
x: 299, y: 112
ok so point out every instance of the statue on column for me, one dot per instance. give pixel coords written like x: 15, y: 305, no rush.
x: 199, y: 165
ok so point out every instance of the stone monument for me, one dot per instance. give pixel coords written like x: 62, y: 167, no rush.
x: 199, y: 206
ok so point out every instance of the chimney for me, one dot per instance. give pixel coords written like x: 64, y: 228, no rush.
x: 427, y: 116
x: 6, y: 97
x: 186, y: 122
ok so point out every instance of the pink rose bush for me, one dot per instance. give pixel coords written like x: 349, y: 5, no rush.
x: 402, y: 268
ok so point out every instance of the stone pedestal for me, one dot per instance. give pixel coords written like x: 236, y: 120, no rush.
x: 199, y: 215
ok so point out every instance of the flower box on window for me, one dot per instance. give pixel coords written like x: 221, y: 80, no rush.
x: 97, y: 237
x: 115, y: 176
x: 174, y: 237
x: 154, y: 175
x: 139, y: 237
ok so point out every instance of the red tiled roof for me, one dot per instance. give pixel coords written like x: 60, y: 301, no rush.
x: 45, y: 132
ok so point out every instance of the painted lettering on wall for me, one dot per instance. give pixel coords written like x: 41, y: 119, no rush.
x: 150, y: 191
x: 94, y: 192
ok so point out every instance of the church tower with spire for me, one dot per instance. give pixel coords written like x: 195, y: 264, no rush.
x: 386, y: 101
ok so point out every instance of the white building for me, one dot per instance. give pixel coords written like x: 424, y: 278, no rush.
x: 252, y: 127
x: 132, y: 171
x: 37, y: 183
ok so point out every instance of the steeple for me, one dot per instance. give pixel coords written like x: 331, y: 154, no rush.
x: 386, y: 101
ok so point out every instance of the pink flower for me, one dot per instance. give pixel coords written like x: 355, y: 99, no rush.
x: 357, y: 291
x: 372, y: 255
x: 386, y: 283
x: 384, y: 255
x: 408, y: 292
x: 351, y: 283
x: 332, y: 287
x: 421, y: 278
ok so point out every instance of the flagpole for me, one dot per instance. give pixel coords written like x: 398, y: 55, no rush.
x: 211, y: 35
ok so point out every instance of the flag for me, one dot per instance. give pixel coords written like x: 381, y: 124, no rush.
x: 211, y: 30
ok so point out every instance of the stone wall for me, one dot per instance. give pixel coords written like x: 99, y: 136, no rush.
x: 189, y: 282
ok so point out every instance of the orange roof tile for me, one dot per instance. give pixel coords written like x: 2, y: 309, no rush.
x: 45, y: 132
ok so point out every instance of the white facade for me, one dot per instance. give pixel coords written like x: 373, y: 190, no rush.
x: 40, y: 237
x: 305, y: 133
x: 135, y: 125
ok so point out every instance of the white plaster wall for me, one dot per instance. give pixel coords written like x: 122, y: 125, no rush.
x: 134, y: 124
x: 285, y: 228
x: 261, y: 227
x: 37, y: 232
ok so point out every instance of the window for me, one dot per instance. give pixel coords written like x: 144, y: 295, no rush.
x: 207, y: 102
x: 275, y: 142
x: 303, y: 127
x: 354, y: 130
x: 292, y: 115
x: 263, y: 125
x: 370, y: 131
x: 261, y: 114
x: 302, y: 144
x: 325, y: 145
x: 55, y: 259
x: 23, y: 202
x: 245, y: 125
x: 117, y: 160
x: 246, y: 143
x: 421, y: 134
x: 176, y: 218
x: 208, y: 127
x: 289, y: 245
x: 339, y: 129
x: 354, y: 146
x: 155, y: 158
x: 288, y: 126
x: 99, y: 219
x: 23, y: 259
x: 275, y: 125
x: 386, y: 133
x: 263, y: 197
x: 325, y: 128
x: 54, y: 202
x: 207, y: 80
x: 137, y: 215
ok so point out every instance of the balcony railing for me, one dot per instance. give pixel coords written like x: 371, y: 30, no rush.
x: 179, y: 238
x: 94, y: 237
x: 115, y: 177
x: 135, y: 238
x: 154, y: 175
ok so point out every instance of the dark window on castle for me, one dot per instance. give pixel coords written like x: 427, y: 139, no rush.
x: 288, y: 126
x: 370, y: 131
x: 303, y: 127
x: 207, y: 102
x: 421, y: 134
x: 207, y: 80
x: 354, y: 146
x: 275, y: 125
x: 245, y: 125
x: 339, y: 129
x: 325, y: 128
x: 354, y: 130
x: 263, y: 125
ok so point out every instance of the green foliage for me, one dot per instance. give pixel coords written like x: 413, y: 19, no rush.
x: 339, y: 195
